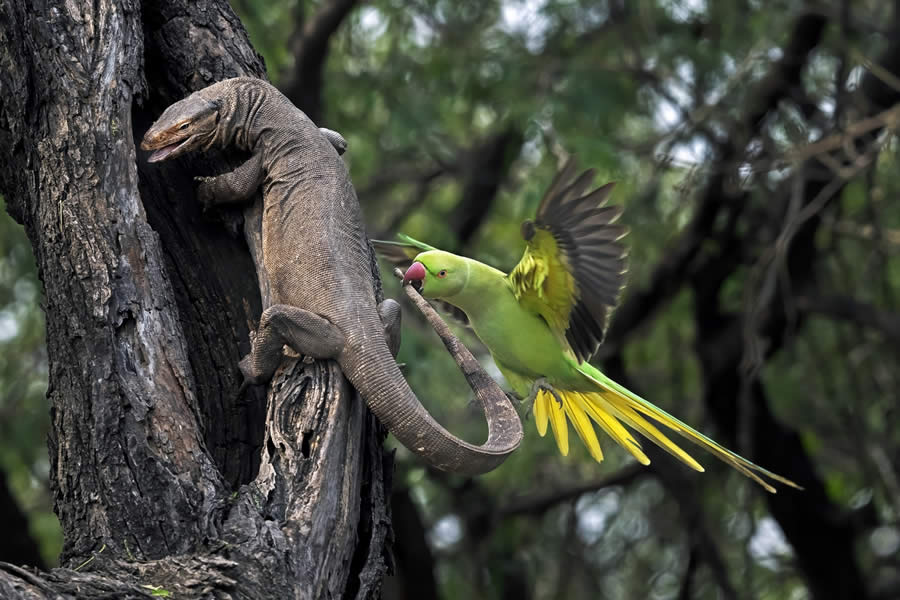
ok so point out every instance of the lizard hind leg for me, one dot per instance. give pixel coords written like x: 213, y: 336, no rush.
x: 305, y: 332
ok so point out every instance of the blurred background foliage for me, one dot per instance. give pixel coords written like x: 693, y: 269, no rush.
x: 24, y: 412
x: 457, y: 115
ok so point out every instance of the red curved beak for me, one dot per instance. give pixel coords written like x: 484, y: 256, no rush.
x: 415, y: 273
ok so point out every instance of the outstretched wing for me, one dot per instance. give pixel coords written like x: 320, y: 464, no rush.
x: 402, y: 254
x: 573, y: 268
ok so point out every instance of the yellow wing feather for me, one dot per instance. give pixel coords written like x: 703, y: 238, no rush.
x: 573, y: 266
x: 543, y: 283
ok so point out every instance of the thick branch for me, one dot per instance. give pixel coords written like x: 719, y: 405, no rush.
x: 486, y: 168
x: 681, y: 484
x: 415, y: 561
x: 216, y: 309
x: 668, y: 277
x: 855, y: 311
x: 126, y: 440
x: 541, y: 503
x: 303, y: 82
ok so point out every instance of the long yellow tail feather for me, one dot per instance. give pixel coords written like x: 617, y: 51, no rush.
x: 610, y: 406
x: 541, y: 412
x: 560, y: 429
x: 600, y: 413
x: 627, y: 414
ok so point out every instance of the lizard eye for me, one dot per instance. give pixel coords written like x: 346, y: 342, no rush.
x: 184, y: 125
x: 442, y: 273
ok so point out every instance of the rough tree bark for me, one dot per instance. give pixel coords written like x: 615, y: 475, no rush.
x: 161, y: 477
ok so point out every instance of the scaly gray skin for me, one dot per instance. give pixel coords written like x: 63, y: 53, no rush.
x: 316, y: 256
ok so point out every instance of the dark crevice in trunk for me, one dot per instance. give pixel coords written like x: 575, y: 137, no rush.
x: 17, y: 545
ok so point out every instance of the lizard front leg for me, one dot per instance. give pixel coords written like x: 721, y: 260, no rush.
x: 389, y: 311
x: 336, y: 139
x: 234, y: 187
x: 305, y: 332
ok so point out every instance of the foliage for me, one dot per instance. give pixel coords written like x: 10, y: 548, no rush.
x: 23, y: 386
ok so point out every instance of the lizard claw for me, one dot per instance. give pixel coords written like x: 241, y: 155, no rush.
x: 250, y: 380
x: 250, y: 377
x: 204, y: 193
x: 239, y: 395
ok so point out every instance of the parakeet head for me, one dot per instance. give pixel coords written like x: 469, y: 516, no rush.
x: 438, y: 274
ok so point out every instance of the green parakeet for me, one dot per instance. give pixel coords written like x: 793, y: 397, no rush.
x: 544, y: 320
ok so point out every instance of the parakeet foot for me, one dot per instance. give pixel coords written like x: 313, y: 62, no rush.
x: 541, y: 384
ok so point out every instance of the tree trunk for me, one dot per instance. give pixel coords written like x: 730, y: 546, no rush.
x: 162, y: 477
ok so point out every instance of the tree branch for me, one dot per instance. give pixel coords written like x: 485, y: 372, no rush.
x: 850, y: 309
x: 415, y: 576
x: 303, y: 82
x: 822, y: 542
x: 681, y: 484
x: 541, y: 503
x: 668, y: 276
x: 486, y: 166
x: 687, y: 582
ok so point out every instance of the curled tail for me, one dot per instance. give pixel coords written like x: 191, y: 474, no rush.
x: 369, y: 365
x: 610, y: 406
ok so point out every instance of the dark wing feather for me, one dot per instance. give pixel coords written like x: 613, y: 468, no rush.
x: 587, y: 238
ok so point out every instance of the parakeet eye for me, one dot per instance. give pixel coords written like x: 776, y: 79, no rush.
x: 442, y: 273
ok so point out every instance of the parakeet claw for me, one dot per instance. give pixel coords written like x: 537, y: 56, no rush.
x: 541, y: 384
x: 555, y: 396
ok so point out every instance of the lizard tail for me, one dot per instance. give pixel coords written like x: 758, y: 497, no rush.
x: 372, y: 370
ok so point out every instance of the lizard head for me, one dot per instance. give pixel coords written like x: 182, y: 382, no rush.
x: 438, y: 274
x: 187, y: 125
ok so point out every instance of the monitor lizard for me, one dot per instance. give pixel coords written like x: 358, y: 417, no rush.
x: 317, y: 259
